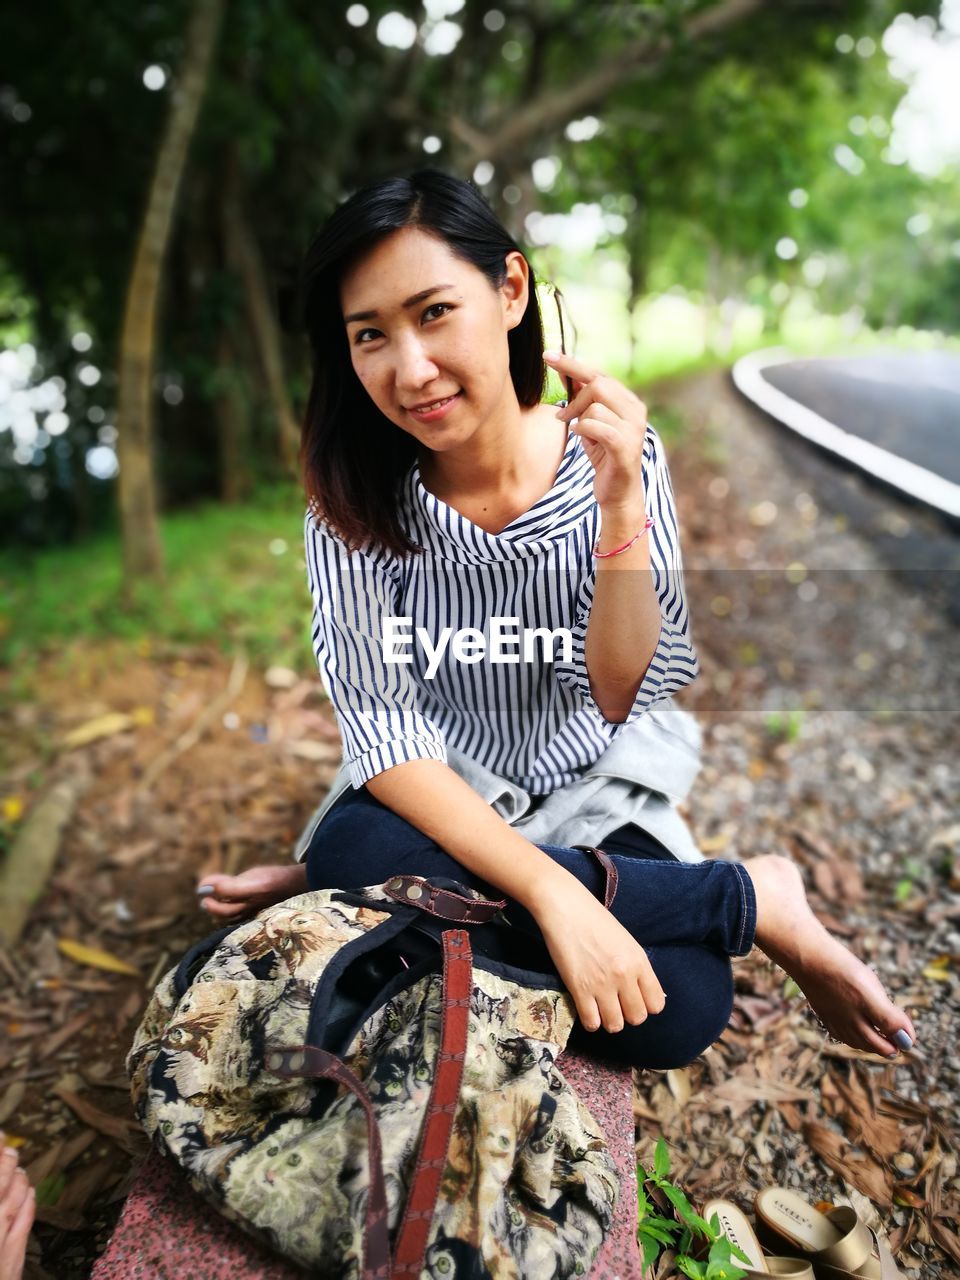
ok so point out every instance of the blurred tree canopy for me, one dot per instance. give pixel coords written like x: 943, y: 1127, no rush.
x: 707, y: 113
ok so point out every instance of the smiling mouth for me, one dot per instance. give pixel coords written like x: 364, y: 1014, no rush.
x: 434, y: 404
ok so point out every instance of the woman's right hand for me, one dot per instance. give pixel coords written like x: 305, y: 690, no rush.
x: 606, y: 971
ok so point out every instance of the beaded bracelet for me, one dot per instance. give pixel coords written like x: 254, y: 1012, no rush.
x: 602, y: 555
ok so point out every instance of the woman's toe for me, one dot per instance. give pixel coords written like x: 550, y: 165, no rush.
x: 889, y: 1019
x: 875, y: 1041
x: 8, y: 1169
x: 896, y: 1036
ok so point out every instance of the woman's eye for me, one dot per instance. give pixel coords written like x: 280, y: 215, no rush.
x: 358, y: 340
x: 433, y: 307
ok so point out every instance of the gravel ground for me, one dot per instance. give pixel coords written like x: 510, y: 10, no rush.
x: 828, y: 695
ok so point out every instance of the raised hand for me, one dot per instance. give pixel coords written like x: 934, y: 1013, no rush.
x: 612, y: 423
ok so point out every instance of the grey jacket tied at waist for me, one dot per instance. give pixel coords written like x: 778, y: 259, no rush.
x: 646, y: 771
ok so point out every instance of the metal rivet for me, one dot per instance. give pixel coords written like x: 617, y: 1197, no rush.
x: 395, y: 885
x: 414, y: 892
x: 274, y: 1061
x: 295, y: 1061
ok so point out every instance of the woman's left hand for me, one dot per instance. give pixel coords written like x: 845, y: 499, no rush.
x: 612, y: 423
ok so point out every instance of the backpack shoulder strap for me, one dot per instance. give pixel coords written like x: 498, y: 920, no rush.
x: 411, y: 1247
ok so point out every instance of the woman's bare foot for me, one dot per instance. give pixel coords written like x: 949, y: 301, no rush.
x: 17, y: 1207
x: 848, y: 998
x: 251, y: 891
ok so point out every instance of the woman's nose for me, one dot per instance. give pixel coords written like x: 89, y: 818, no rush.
x: 414, y: 366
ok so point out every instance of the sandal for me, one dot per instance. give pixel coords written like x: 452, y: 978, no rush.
x: 838, y: 1244
x: 736, y: 1227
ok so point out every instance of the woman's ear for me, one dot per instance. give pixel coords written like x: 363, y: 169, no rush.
x: 515, y: 288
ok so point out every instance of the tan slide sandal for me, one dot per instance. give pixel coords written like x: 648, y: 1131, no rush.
x: 838, y: 1244
x: 736, y: 1227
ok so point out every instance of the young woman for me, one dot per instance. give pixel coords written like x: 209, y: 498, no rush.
x: 449, y: 509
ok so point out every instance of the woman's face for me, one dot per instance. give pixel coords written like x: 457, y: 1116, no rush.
x: 440, y: 331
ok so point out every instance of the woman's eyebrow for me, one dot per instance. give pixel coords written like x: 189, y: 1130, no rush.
x: 410, y: 302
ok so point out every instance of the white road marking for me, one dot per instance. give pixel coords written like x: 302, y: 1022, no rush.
x: 920, y: 483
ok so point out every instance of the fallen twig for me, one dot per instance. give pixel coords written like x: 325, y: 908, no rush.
x: 238, y: 674
x: 33, y: 854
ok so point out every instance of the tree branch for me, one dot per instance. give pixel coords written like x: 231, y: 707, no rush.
x: 555, y: 107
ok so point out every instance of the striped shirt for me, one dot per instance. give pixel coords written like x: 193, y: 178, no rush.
x: 526, y: 717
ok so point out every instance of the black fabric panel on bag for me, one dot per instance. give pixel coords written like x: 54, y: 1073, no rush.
x: 500, y: 947
x: 346, y: 1030
x: 197, y: 956
x: 333, y: 1009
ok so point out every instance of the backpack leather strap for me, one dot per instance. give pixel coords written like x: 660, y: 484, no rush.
x: 308, y: 1061
x: 417, y: 891
x: 613, y: 876
x: 414, y: 1234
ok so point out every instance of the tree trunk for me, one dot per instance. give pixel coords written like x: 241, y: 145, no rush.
x: 137, y: 497
x: 232, y: 410
x: 635, y: 242
x: 243, y: 256
x: 713, y: 291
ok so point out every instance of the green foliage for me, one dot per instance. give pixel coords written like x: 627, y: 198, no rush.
x: 719, y: 1264
x: 50, y: 1189
x: 655, y: 1231
x: 915, y: 875
x: 904, y: 890
x: 717, y: 147
x: 786, y: 725
x: 695, y: 153
x: 224, y: 587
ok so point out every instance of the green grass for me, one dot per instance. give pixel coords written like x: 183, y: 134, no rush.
x: 224, y: 587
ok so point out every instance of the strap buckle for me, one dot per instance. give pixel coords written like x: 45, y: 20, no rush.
x: 419, y: 892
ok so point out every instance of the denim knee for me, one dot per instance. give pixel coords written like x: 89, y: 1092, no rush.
x: 362, y: 842
x: 358, y: 843
x: 709, y: 1008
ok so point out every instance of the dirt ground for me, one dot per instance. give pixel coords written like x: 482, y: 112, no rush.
x: 828, y: 700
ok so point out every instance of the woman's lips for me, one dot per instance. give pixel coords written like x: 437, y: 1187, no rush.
x: 432, y: 415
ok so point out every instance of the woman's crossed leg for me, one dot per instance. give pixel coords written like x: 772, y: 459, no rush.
x: 689, y: 918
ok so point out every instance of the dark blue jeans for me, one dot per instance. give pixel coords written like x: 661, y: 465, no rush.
x: 688, y: 917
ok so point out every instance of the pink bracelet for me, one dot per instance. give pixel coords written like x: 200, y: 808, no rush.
x: 602, y: 555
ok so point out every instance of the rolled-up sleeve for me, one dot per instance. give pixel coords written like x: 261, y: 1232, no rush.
x: 376, y: 702
x: 674, y: 663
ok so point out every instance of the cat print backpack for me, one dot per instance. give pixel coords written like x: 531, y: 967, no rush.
x: 366, y: 1080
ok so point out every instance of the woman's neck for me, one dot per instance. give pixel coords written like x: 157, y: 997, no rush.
x: 501, y: 465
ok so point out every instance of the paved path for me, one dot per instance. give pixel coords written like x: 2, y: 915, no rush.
x: 893, y: 414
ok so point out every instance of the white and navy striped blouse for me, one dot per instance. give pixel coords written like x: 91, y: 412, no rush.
x: 533, y: 722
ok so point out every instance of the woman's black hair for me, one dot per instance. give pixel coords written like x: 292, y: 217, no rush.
x: 353, y: 459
